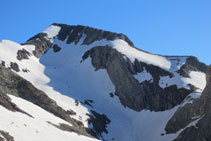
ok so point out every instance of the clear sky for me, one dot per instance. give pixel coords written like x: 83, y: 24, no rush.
x: 168, y: 27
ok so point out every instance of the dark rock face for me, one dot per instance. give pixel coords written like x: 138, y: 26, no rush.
x: 3, y: 63
x: 74, y: 34
x: 192, y: 64
x: 5, y: 101
x: 99, y: 122
x: 71, y: 112
x: 56, y: 48
x: 87, y: 102
x: 23, y: 54
x: 14, y: 66
x: 199, y: 109
x: 11, y: 83
x: 6, y: 135
x: 41, y: 43
x: 147, y: 95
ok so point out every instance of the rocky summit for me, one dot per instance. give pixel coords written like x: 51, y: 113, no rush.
x: 81, y: 83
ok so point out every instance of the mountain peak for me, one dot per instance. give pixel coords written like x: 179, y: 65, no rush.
x: 74, y: 33
x: 71, y: 34
x: 95, y: 83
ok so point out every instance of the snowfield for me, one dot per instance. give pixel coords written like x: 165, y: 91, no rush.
x: 23, y: 127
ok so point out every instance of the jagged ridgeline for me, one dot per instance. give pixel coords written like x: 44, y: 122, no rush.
x: 83, y: 83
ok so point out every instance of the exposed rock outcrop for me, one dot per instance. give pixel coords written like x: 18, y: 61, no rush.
x: 11, y: 83
x: 6, y: 136
x: 14, y: 66
x: 41, y: 43
x: 147, y: 95
x: 73, y: 34
x: 198, y: 110
x: 5, y: 101
x: 192, y: 64
x: 99, y: 123
x: 23, y: 54
x: 64, y: 127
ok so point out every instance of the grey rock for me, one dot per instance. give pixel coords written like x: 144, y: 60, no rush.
x: 192, y: 64
x: 71, y: 112
x: 199, y: 108
x: 88, y: 102
x: 6, y: 135
x: 131, y: 93
x: 11, y: 83
x: 41, y: 43
x: 74, y: 34
x: 81, y: 131
x: 200, y: 132
x: 14, y: 66
x: 3, y: 63
x: 99, y: 123
x: 5, y: 101
x: 23, y: 54
x: 56, y: 48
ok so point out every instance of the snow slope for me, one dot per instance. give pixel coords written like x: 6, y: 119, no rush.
x: 23, y: 127
x: 64, y: 78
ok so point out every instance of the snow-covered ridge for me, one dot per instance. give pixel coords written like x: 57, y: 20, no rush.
x: 121, y: 46
x: 133, y: 53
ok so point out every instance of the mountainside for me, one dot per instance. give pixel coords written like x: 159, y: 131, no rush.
x: 82, y: 83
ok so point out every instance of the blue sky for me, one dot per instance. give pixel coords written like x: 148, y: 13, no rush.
x: 168, y: 27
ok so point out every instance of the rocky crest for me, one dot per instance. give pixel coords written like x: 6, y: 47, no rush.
x: 73, y: 34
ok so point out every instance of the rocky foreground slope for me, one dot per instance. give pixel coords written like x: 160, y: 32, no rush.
x: 82, y: 83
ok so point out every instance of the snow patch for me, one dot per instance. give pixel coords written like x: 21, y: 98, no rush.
x: 143, y: 76
x: 196, y: 78
x: 133, y: 53
x: 176, y: 63
x: 30, y: 48
x: 52, y: 31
